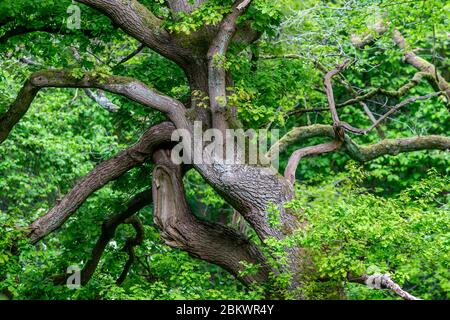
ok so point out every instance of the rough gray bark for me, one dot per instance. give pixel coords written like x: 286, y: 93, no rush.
x: 128, y: 87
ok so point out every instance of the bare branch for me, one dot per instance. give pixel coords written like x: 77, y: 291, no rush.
x: 329, y: 89
x: 100, y: 98
x: 99, y: 176
x: 131, y: 55
x: 347, y: 85
x: 390, y: 93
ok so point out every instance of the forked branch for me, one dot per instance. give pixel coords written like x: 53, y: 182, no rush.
x: 128, y: 87
x: 383, y: 281
x: 109, y: 228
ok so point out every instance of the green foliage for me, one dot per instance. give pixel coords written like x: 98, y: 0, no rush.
x: 351, y: 230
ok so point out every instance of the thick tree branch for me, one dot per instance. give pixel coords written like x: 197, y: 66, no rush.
x: 383, y: 281
x: 421, y: 64
x: 99, y: 176
x: 128, y: 87
x: 291, y: 167
x: 216, y: 65
x: 363, y: 153
x: 137, y: 21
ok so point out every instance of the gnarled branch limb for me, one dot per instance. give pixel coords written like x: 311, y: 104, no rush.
x: 99, y: 176
x: 128, y: 87
x: 383, y: 281
x: 347, y: 85
x: 363, y: 153
x: 330, y: 96
x: 208, y: 241
x: 291, y: 167
x: 216, y: 68
x: 140, y: 23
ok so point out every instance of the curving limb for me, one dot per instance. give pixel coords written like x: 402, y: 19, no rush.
x: 103, y: 173
x: 420, y: 63
x: 129, y: 246
x: 140, y: 23
x: 216, y: 70
x: 208, y: 241
x: 128, y: 87
x: 291, y: 167
x: 383, y: 281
